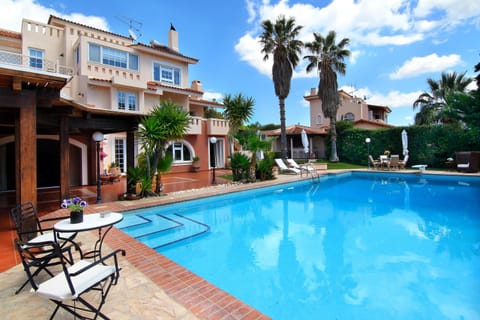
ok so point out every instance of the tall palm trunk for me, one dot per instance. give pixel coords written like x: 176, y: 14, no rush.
x: 333, y: 137
x: 283, y: 133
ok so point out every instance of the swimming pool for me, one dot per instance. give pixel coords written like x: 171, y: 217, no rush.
x: 353, y: 246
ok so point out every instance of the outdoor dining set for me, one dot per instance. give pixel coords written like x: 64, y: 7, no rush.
x: 46, y: 248
x: 386, y: 162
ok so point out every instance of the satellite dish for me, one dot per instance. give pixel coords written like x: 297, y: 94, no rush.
x: 132, y: 34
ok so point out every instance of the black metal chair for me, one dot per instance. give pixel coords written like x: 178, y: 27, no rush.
x: 67, y: 288
x: 30, y: 231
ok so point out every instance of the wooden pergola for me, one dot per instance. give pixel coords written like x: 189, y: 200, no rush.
x: 30, y: 105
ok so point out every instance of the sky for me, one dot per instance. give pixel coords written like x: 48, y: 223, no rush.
x: 396, y: 45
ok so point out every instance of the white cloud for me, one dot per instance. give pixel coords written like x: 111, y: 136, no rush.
x: 252, y: 14
x: 213, y: 96
x: 365, y: 23
x: 249, y: 49
x: 427, y: 64
x: 13, y: 12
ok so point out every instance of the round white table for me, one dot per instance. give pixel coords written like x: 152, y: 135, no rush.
x: 102, y: 222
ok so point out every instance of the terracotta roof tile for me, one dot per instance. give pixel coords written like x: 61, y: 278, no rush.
x: 10, y: 34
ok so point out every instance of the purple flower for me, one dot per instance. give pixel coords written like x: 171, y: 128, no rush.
x: 74, y: 204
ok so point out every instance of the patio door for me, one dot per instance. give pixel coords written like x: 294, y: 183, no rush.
x: 217, y: 153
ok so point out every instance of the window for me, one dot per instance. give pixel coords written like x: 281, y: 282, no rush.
x: 94, y: 52
x: 349, y: 116
x: 112, y: 57
x: 166, y: 74
x: 319, y: 119
x: 36, y: 58
x: 77, y: 55
x: 120, y: 152
x: 127, y: 101
x: 180, y: 152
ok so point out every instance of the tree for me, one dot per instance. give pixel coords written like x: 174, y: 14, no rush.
x: 328, y: 58
x: 433, y: 105
x: 165, y: 122
x: 280, y: 40
x: 238, y: 109
x: 256, y: 144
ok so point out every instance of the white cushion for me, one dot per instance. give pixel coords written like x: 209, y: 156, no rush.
x: 463, y: 165
x: 48, y: 236
x: 57, y: 288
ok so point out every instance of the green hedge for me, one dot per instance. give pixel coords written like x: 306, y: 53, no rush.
x: 430, y: 145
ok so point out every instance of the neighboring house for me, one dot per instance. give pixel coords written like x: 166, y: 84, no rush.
x: 354, y: 109
x: 109, y: 82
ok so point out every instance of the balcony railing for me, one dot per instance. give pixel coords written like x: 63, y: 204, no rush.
x: 33, y: 64
x: 195, y: 126
x: 217, y: 127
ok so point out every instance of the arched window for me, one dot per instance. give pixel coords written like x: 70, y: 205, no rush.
x: 181, y: 151
x: 349, y: 116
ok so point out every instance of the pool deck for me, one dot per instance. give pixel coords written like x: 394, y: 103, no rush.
x: 151, y: 286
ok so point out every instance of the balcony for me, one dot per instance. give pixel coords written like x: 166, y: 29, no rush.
x: 195, y: 126
x: 218, y: 127
x: 31, y: 64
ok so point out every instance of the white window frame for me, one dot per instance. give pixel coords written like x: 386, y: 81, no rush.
x: 36, y: 58
x: 166, y: 74
x: 114, y: 57
x: 127, y: 100
x: 123, y: 155
x: 185, y: 144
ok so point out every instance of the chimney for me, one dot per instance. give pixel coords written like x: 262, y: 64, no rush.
x: 173, y: 38
x: 197, y: 85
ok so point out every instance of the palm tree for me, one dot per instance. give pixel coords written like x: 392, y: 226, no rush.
x: 433, y: 105
x: 328, y: 58
x: 280, y: 40
x: 165, y: 122
x: 256, y: 144
x: 238, y: 109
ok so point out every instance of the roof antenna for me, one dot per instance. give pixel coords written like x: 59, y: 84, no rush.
x: 134, y: 27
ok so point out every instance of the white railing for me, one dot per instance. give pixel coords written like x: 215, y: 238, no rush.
x: 33, y: 64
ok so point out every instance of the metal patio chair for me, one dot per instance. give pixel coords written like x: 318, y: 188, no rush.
x: 67, y: 288
x: 30, y: 231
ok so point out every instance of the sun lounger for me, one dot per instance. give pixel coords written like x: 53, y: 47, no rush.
x: 283, y: 167
x: 307, y: 168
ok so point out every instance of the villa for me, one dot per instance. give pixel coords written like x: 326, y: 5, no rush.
x: 355, y: 109
x: 62, y: 81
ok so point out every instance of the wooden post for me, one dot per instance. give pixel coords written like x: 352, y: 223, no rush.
x: 26, y: 154
x: 64, y: 159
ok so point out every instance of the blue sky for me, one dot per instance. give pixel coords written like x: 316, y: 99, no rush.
x: 396, y: 45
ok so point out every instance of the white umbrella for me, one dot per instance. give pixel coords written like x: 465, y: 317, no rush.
x: 404, y: 142
x: 305, y: 141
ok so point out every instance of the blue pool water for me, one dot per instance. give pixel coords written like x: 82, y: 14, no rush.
x: 353, y: 246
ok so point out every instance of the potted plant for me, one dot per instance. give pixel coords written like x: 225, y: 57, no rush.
x: 76, y: 206
x: 114, y: 169
x: 195, y: 164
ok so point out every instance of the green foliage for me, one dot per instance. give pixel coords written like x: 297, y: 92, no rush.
x: 237, y: 110
x: 240, y: 164
x: 430, y: 145
x: 165, y: 122
x: 213, y: 113
x: 265, y: 166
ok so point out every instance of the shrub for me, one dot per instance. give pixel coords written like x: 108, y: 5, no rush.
x: 240, y: 164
